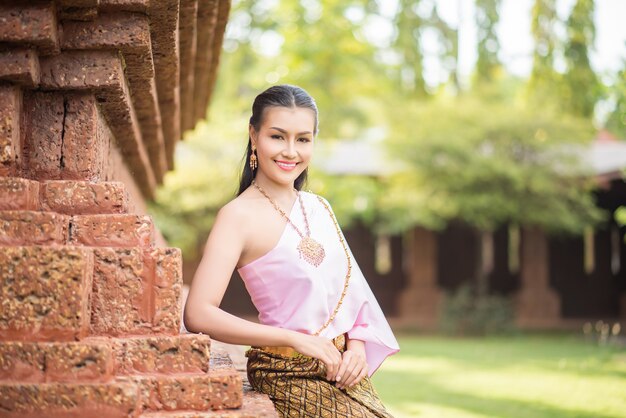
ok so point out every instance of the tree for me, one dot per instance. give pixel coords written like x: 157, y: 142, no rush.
x: 489, y: 164
x: 487, y: 17
x: 543, y: 82
x: 617, y: 119
x: 409, y: 24
x: 582, y: 88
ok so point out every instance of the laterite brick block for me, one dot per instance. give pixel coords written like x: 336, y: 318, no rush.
x: 10, y: 109
x: 23, y: 227
x: 121, y: 300
x: 42, y: 135
x: 168, y: 281
x: 112, y: 230
x: 20, y: 66
x: 219, y: 389
x: 56, y: 400
x: 85, y: 143
x: 164, y: 354
x: 30, y: 23
x: 136, y: 291
x: 39, y: 362
x: 44, y: 293
x: 18, y: 194
x: 83, y: 197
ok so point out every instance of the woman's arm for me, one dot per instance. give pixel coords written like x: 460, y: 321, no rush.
x: 224, y: 246
x: 202, y: 313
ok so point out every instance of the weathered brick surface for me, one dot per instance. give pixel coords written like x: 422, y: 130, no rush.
x: 32, y: 23
x: 78, y: 13
x: 63, y: 136
x: 130, y: 32
x: 85, y: 144
x: 112, y: 230
x: 121, y: 300
x: 132, y: 296
x: 187, y: 30
x: 219, y: 389
x: 82, y: 197
x: 22, y: 362
x: 163, y: 354
x: 42, y: 136
x: 164, y: 36
x: 125, y: 5
x: 23, y: 227
x: 102, y: 71
x: 218, y: 40
x: 20, y: 66
x: 10, y: 109
x: 168, y: 281
x: 79, y: 361
x: 78, y: 3
x: 39, y: 362
x: 18, y: 194
x: 207, y: 18
x: 56, y: 400
x: 44, y: 292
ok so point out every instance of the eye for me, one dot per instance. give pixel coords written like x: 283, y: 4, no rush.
x: 276, y: 136
x: 304, y: 139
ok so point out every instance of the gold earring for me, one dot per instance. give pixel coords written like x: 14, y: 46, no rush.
x: 253, y: 159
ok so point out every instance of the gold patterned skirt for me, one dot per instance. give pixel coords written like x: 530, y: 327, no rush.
x: 298, y: 387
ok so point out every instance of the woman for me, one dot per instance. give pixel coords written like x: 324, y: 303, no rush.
x: 321, y: 333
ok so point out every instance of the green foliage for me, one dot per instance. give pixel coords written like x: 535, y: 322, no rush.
x: 490, y: 163
x: 208, y: 164
x: 616, y: 122
x: 487, y: 16
x: 582, y: 88
x: 463, y: 313
x: 544, y: 80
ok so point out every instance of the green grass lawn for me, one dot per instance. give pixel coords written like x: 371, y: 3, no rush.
x: 521, y: 376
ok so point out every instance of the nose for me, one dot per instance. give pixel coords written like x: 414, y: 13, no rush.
x: 290, y: 150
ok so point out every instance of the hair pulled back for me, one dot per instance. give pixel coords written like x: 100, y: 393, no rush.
x: 283, y: 95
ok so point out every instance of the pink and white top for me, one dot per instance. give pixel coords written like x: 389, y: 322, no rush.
x: 290, y: 293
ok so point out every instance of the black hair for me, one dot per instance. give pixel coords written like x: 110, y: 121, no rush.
x: 283, y: 95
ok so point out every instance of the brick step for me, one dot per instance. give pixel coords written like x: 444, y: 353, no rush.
x: 185, y: 353
x: 29, y: 227
x: 99, y: 359
x: 66, y: 293
x: 215, y: 390
x: 51, y: 400
x: 69, y: 197
x: 255, y: 404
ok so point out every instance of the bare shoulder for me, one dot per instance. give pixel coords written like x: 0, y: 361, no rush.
x: 237, y: 212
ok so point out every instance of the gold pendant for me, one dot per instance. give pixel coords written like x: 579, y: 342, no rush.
x: 312, y: 251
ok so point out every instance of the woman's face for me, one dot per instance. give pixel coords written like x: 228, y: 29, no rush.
x: 284, y: 143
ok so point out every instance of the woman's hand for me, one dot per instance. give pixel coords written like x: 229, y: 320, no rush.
x: 353, y: 366
x: 320, y: 348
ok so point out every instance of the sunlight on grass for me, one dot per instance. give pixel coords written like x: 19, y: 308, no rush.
x: 519, y: 377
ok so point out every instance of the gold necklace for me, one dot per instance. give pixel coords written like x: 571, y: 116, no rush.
x: 310, y: 250
x: 343, y: 244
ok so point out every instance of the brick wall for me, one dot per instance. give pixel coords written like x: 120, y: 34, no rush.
x: 94, y: 95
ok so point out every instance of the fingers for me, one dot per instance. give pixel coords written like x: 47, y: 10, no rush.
x: 359, y: 377
x: 343, y: 368
x: 352, y: 370
x: 333, y: 361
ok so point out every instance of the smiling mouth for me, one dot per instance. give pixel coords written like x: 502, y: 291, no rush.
x: 285, y: 165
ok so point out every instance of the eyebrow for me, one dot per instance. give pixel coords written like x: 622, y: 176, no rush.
x: 284, y: 131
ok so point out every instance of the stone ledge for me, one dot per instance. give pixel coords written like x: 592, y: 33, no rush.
x: 102, y: 400
x: 102, y: 72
